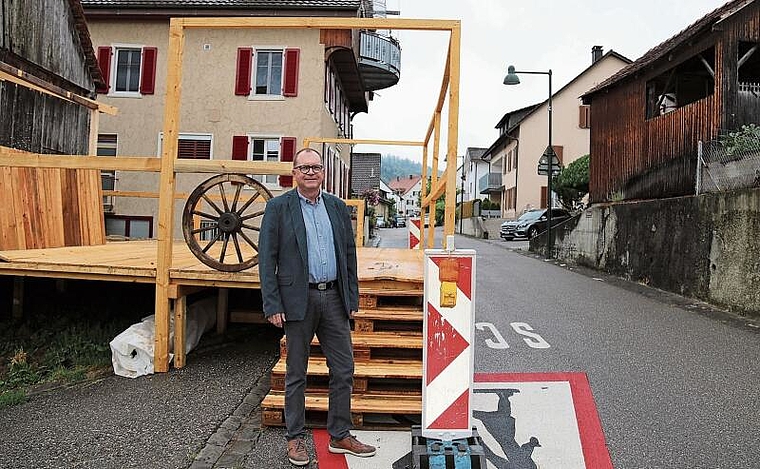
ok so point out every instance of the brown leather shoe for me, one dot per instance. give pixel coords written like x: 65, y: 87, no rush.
x: 297, y: 453
x: 350, y: 445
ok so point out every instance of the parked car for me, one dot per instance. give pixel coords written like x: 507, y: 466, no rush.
x: 380, y: 222
x: 400, y: 222
x: 531, y: 223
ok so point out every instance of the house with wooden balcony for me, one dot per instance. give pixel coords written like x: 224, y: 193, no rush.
x: 251, y: 94
x: 523, y: 136
x: 647, y: 120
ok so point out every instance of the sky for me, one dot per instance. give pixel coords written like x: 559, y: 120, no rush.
x: 533, y: 35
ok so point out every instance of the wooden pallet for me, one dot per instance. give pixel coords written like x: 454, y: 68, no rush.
x: 367, y: 411
x: 370, y: 346
x: 389, y: 319
x: 389, y: 377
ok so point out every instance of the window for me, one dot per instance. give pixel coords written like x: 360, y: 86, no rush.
x: 128, y: 70
x: 272, y: 75
x: 190, y: 146
x: 107, y: 144
x: 265, y: 149
x: 584, y: 117
x: 749, y: 67
x: 268, y: 72
x: 685, y: 83
x: 135, y: 227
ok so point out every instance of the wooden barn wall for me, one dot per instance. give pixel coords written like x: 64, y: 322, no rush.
x: 43, y: 40
x: 636, y: 158
x: 741, y: 107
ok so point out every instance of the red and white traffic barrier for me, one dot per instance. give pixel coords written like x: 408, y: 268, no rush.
x: 448, y: 349
x: 414, y: 233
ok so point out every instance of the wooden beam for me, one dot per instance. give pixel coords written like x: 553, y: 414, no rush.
x: 452, y: 133
x: 320, y: 23
x: 166, y: 199
x: 441, y: 94
x: 359, y: 204
x: 744, y: 58
x: 22, y: 78
x: 94, y: 125
x: 431, y: 205
x: 232, y: 166
x: 180, y: 331
x: 222, y: 303
x: 12, y: 158
x: 18, y: 298
x: 354, y: 141
x: 423, y: 193
x: 707, y: 65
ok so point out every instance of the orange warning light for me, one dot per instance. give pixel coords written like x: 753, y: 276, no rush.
x: 448, y: 273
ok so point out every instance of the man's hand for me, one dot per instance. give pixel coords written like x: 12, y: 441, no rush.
x: 277, y: 319
x: 352, y: 314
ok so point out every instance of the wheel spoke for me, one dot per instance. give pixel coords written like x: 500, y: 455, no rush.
x: 211, y: 202
x: 247, y: 204
x: 206, y: 215
x: 253, y: 215
x: 224, y: 198
x: 237, y: 248
x: 254, y: 228
x: 224, y: 248
x: 249, y: 241
x: 212, y: 242
x: 237, y: 196
x: 204, y: 228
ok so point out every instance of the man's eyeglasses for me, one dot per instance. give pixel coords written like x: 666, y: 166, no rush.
x: 310, y: 168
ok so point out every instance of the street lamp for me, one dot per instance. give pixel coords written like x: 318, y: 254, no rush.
x: 513, y: 79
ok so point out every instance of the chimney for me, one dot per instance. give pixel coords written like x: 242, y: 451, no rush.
x: 398, y: 178
x: 596, y: 53
x: 410, y: 176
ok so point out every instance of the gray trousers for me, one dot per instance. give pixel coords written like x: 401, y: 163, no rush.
x: 326, y: 317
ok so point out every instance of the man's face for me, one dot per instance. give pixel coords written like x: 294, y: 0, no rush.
x: 313, y: 180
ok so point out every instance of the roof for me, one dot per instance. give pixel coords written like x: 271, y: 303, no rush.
x: 704, y: 24
x: 86, y: 42
x: 327, y: 4
x: 404, y: 184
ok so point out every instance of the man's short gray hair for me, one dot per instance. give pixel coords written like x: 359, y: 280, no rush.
x: 305, y: 150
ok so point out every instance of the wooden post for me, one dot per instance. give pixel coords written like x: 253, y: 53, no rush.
x: 434, y: 179
x: 453, y: 131
x: 423, y: 191
x: 180, y: 331
x: 222, y: 301
x: 166, y: 195
x: 18, y: 298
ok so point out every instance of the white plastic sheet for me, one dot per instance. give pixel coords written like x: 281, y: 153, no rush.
x: 132, y: 350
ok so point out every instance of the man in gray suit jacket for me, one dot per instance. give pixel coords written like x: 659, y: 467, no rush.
x: 307, y: 268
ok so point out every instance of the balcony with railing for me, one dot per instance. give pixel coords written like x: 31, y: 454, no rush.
x: 490, y: 183
x: 379, y: 60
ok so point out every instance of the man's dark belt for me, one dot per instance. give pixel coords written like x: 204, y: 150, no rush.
x: 322, y: 285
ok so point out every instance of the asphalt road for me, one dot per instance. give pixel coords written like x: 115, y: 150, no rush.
x: 675, y: 381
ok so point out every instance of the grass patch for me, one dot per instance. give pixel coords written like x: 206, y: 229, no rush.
x: 10, y: 398
x: 64, y: 335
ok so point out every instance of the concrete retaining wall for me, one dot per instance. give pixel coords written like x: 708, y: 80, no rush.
x: 475, y: 226
x: 706, y: 247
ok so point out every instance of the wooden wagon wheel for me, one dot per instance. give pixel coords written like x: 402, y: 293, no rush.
x: 227, y: 222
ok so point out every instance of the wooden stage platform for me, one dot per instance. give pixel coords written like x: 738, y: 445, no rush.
x: 135, y: 261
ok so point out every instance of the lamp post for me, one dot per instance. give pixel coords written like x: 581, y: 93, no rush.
x: 513, y: 79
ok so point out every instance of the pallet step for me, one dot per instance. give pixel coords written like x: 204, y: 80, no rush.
x: 369, y: 298
x: 389, y: 319
x: 374, y: 346
x: 368, y: 412
x: 376, y: 377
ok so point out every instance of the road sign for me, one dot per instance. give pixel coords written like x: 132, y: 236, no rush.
x: 543, y: 162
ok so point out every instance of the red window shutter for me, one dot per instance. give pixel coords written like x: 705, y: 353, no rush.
x: 104, y: 62
x: 287, y: 152
x: 148, y: 76
x: 292, y: 58
x: 243, y: 71
x: 240, y: 147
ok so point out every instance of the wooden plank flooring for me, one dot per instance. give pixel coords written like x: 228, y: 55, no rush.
x: 135, y: 261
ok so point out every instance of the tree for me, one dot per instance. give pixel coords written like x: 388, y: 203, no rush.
x: 571, y: 184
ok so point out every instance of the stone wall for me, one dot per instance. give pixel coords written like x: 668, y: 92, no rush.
x: 706, y: 247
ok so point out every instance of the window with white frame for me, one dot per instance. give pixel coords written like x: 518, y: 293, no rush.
x: 190, y: 146
x: 268, y: 76
x: 107, y: 146
x: 266, y: 149
x: 127, y: 69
